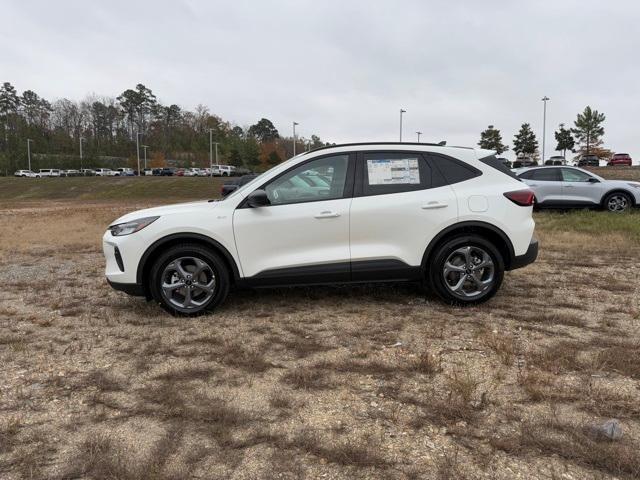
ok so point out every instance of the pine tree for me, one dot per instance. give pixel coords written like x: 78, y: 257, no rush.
x: 565, y: 140
x: 491, y: 139
x: 525, y: 140
x: 589, y: 129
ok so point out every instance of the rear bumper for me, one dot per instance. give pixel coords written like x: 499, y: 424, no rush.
x: 530, y: 256
x: 134, y: 289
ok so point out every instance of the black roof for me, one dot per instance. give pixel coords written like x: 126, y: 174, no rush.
x: 439, y: 144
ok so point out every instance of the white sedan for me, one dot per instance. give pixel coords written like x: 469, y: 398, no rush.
x: 25, y: 173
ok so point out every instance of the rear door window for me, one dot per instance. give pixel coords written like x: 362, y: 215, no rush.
x: 384, y: 173
x: 546, y: 174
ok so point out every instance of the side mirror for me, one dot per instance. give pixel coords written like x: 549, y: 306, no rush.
x: 593, y: 180
x: 258, y: 198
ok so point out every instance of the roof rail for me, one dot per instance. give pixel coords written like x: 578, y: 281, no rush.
x: 356, y: 144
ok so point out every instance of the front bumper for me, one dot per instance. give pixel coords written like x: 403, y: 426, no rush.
x: 134, y: 289
x: 529, y: 256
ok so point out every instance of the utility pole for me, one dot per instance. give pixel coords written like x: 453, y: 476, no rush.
x: 29, y: 151
x: 294, y: 138
x: 81, y: 140
x: 401, y: 112
x: 419, y: 133
x: 138, y: 150
x: 145, y: 155
x: 545, y: 99
x: 216, y: 144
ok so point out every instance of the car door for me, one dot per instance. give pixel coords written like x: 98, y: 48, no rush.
x: 303, y: 235
x: 580, y: 188
x: 396, y: 211
x: 546, y: 183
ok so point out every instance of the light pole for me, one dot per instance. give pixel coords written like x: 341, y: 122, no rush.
x: 211, y: 152
x: 419, y: 133
x: 81, y: 140
x: 138, y: 150
x: 145, y: 155
x: 294, y: 138
x: 29, y: 151
x: 401, y: 112
x: 216, y: 144
x: 545, y: 99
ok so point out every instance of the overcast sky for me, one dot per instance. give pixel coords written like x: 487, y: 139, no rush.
x: 343, y: 69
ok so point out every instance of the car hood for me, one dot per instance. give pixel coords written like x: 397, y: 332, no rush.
x: 178, y: 208
x: 620, y: 183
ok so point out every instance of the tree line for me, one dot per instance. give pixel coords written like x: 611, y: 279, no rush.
x: 586, y: 134
x: 108, y: 128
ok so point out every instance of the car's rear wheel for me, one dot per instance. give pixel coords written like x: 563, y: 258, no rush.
x: 617, y: 202
x: 189, y: 279
x: 466, y: 270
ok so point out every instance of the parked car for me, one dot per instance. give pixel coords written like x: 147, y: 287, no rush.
x: 589, y: 161
x: 25, y: 173
x: 168, y: 171
x: 524, y: 162
x: 147, y: 171
x: 179, y: 172
x: 620, y: 159
x: 69, y: 173
x: 453, y: 217
x: 125, y: 172
x: 572, y: 187
x: 232, y: 185
x: 49, y: 172
x: 555, y: 160
x: 87, y: 172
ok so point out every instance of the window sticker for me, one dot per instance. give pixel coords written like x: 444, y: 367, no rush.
x: 393, y: 171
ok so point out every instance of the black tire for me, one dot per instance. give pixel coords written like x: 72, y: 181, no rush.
x: 617, y: 202
x: 188, y: 254
x: 487, y: 279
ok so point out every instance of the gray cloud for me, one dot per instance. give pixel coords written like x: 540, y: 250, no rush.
x: 342, y: 69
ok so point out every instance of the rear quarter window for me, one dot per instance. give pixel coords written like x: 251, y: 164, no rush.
x: 451, y: 170
x: 493, y: 162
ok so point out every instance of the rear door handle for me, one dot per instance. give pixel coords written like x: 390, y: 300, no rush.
x: 568, y: 186
x: 327, y: 214
x: 434, y: 205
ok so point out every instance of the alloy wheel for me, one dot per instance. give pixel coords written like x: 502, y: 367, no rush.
x: 188, y: 283
x: 469, y: 272
x: 617, y: 203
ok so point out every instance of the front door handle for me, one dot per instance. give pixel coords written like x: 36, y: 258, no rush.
x: 327, y: 214
x: 568, y: 186
x: 434, y: 205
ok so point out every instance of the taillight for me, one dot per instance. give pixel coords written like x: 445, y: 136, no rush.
x: 524, y: 198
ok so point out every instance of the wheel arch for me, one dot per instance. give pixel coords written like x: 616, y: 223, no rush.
x: 618, y: 190
x: 487, y: 230
x: 148, y: 257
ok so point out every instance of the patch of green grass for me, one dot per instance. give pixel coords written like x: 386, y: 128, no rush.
x: 110, y: 188
x: 591, y: 221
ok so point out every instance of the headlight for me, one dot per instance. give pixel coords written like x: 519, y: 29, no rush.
x: 131, y: 227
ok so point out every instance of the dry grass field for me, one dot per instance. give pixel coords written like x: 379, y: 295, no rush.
x: 346, y: 382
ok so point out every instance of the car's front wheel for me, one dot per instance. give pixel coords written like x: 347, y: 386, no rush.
x: 189, y: 279
x: 617, y: 202
x: 466, y: 270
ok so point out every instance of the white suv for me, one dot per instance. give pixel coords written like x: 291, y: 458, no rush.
x: 455, y: 218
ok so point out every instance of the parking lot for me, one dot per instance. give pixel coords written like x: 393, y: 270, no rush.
x: 356, y: 382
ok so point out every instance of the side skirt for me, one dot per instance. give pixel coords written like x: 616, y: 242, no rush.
x: 335, y: 273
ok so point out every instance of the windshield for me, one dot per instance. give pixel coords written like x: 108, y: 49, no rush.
x: 258, y: 180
